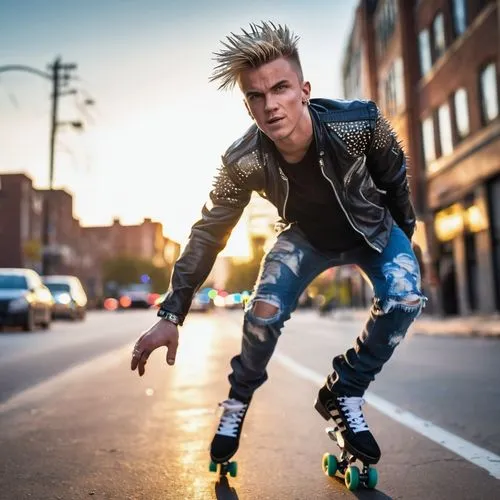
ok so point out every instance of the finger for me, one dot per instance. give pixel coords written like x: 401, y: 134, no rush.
x: 137, y: 352
x: 134, y: 362
x: 171, y: 352
x: 136, y: 356
x: 142, y: 362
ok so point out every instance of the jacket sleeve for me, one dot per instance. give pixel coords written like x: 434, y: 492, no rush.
x: 208, y: 237
x: 387, y: 165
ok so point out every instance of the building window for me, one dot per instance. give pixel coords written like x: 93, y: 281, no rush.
x: 445, y: 136
x: 459, y: 13
x: 400, y: 84
x: 25, y: 207
x: 428, y: 140
x: 424, y: 49
x: 461, y: 113
x: 390, y: 95
x: 385, y: 24
x: 489, y: 93
x: 439, y: 40
x: 394, y: 98
x: 353, y: 82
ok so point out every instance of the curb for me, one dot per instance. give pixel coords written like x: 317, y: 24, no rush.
x: 491, y: 331
x: 476, y: 326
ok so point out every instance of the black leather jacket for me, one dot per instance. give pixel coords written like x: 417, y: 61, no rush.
x: 359, y: 156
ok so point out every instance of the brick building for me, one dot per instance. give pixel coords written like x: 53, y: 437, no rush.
x: 459, y: 119
x: 432, y: 67
x: 145, y: 241
x: 74, y: 249
x: 63, y: 248
x: 21, y: 222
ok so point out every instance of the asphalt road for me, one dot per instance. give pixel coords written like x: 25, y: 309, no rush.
x: 76, y: 423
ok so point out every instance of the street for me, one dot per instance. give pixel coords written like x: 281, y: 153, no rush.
x: 76, y: 423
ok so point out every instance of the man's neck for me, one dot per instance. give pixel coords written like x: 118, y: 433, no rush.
x: 295, y: 152
x: 294, y: 148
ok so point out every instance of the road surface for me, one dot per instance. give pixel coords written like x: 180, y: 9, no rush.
x: 76, y: 423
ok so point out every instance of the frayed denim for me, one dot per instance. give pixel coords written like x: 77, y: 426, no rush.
x: 287, y: 270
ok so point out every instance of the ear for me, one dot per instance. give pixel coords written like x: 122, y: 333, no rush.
x: 248, y: 109
x: 306, y: 92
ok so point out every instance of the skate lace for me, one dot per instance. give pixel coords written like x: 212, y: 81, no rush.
x: 233, y: 412
x: 351, y: 406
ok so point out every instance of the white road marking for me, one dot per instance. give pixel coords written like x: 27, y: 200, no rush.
x: 470, y: 452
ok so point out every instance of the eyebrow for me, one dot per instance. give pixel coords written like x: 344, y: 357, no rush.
x: 274, y: 87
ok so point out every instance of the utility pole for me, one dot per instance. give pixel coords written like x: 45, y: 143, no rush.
x: 53, y: 119
x: 60, y: 77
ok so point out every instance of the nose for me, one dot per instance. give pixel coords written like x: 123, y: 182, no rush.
x: 271, y: 103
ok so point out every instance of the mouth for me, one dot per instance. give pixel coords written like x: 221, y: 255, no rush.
x: 274, y: 120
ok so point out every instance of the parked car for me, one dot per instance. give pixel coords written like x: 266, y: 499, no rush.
x: 69, y: 296
x: 201, y: 303
x: 136, y: 296
x: 24, y: 300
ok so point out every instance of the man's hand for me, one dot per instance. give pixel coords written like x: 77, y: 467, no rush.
x: 163, y: 333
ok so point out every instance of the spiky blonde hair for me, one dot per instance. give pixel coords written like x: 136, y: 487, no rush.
x: 252, y: 48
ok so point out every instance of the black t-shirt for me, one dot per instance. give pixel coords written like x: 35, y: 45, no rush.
x: 313, y: 205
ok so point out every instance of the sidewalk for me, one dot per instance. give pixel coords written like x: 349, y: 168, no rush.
x: 472, y: 326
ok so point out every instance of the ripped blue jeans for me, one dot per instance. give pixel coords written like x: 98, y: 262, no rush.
x: 286, y: 271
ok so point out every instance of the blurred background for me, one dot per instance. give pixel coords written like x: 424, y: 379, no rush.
x: 110, y: 134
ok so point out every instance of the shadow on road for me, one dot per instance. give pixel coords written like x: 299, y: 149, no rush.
x: 224, y: 491
x: 363, y: 492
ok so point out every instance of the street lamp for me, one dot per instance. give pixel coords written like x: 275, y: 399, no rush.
x: 77, y: 125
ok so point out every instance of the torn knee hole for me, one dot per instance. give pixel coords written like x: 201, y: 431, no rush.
x: 411, y: 302
x: 264, y: 310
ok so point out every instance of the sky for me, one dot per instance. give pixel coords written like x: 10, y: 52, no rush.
x: 153, y: 140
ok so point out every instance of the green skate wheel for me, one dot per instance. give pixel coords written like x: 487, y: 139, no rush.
x: 372, y: 480
x: 232, y: 468
x: 352, y: 477
x: 329, y: 464
x: 212, y: 466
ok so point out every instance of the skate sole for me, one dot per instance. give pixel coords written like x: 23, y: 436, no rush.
x: 224, y: 468
x: 345, y: 466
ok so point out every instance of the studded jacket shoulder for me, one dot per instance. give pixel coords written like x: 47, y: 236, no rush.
x: 359, y: 155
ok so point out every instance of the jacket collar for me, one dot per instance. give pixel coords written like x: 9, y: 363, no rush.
x: 268, y: 146
x: 319, y: 135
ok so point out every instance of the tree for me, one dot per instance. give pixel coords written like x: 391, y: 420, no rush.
x: 242, y: 276
x: 125, y: 270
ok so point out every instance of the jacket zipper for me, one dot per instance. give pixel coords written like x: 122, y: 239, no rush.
x: 285, y: 178
x: 322, y: 165
x: 350, y: 172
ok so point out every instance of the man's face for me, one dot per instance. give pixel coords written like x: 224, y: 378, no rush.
x: 275, y: 97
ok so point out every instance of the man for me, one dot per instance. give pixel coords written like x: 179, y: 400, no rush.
x: 337, y: 176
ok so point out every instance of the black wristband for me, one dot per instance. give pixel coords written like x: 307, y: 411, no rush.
x: 168, y: 316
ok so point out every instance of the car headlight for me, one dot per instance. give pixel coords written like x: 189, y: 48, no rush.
x: 17, y: 305
x: 63, y: 298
